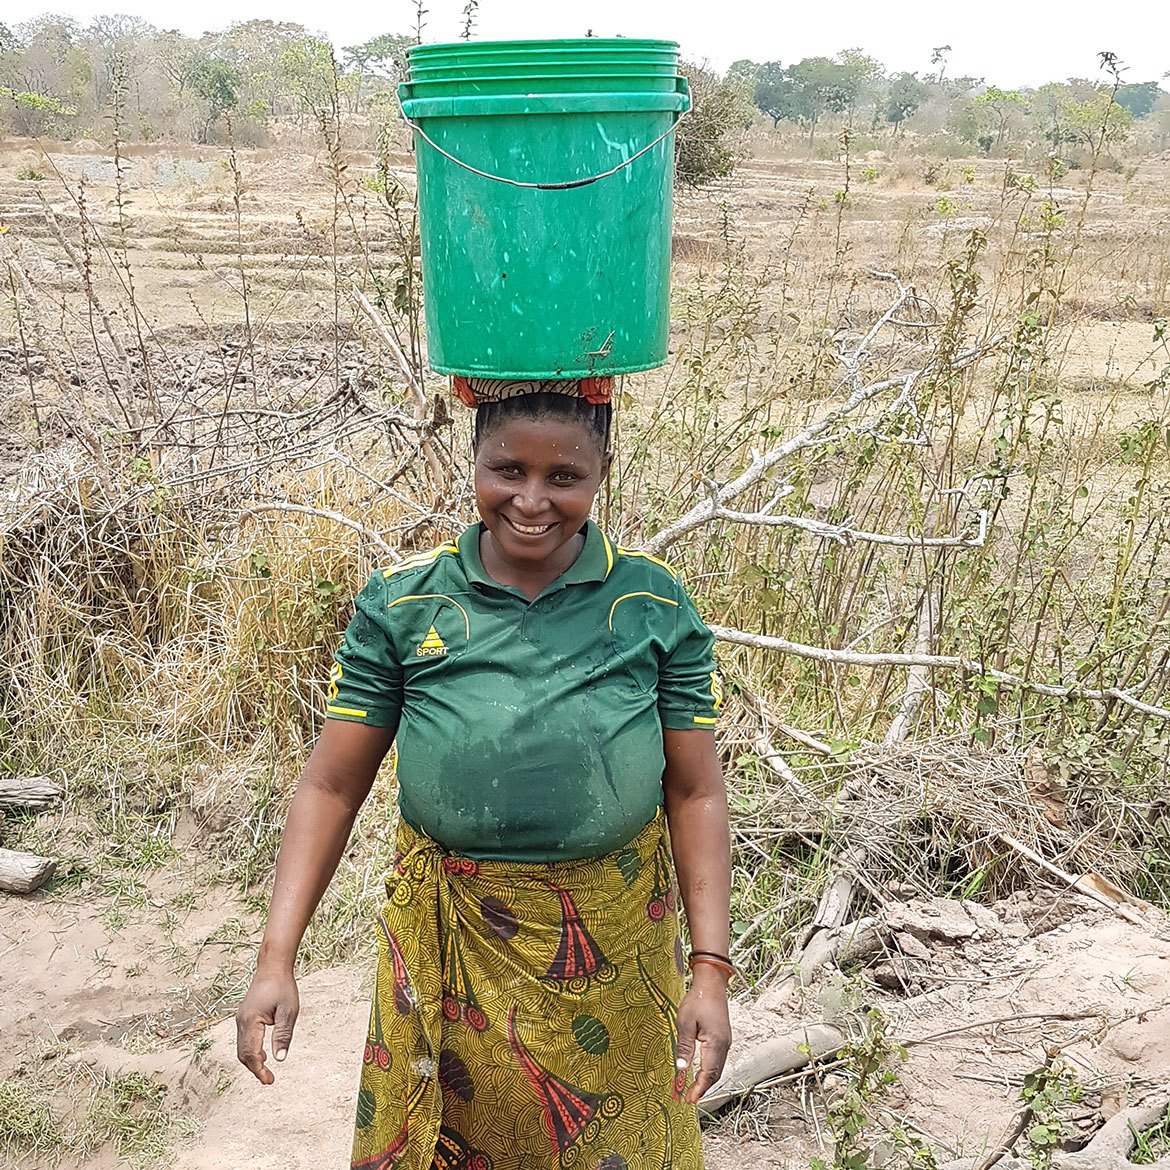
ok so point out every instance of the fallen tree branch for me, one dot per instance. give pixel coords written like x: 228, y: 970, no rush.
x: 940, y: 661
x: 812, y: 436
x: 773, y: 1058
x: 842, y: 945
x: 827, y: 935
x: 1072, y: 881
x: 1109, y: 1148
x: 844, y: 534
x: 35, y: 792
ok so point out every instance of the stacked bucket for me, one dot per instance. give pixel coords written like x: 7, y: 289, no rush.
x: 544, y: 188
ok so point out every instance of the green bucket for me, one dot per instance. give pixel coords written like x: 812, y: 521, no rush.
x: 544, y: 190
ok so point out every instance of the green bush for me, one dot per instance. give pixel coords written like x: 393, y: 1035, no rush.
x: 709, y: 141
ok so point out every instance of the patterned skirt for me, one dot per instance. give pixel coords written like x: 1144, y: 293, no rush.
x: 525, y: 1016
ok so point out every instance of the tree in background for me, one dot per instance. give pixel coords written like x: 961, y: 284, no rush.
x: 970, y: 122
x: 217, y: 83
x: 305, y: 71
x: 1004, y: 106
x: 709, y: 140
x: 1098, y: 120
x: 821, y: 86
x: 1139, y: 99
x: 938, y: 56
x: 862, y: 80
x: 115, y: 44
x: 52, y: 60
x: 744, y: 74
x: 774, y: 92
x: 381, y: 56
x: 1050, y: 107
x: 905, y: 95
x: 177, y: 57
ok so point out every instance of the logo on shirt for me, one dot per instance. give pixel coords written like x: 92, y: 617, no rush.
x: 432, y: 645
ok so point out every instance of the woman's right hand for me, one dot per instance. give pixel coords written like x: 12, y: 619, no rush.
x: 272, y: 1002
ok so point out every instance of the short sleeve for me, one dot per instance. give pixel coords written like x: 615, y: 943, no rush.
x: 689, y: 690
x: 365, y: 684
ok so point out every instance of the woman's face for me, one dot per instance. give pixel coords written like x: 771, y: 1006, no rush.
x: 535, y: 482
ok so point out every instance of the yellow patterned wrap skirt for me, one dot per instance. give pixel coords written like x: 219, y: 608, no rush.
x: 525, y: 1016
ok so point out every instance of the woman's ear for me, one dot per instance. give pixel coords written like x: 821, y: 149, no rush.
x: 606, y: 464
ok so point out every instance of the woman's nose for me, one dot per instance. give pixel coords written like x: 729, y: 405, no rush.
x: 529, y: 498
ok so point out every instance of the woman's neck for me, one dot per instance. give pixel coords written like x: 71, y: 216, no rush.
x: 531, y: 580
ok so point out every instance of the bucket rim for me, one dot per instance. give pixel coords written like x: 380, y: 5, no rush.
x: 627, y: 68
x: 508, y: 104
x: 548, y: 83
x: 577, y: 370
x: 470, y: 48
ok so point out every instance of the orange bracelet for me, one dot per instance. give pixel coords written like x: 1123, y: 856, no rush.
x: 726, y: 968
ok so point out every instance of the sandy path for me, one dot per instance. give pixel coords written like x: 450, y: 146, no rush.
x: 303, y: 1121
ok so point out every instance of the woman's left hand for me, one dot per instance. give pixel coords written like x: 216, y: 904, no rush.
x: 703, y: 1019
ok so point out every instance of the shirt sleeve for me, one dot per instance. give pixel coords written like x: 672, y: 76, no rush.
x: 689, y: 689
x: 365, y: 684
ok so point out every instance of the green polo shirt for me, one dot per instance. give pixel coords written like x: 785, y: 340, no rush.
x: 527, y: 731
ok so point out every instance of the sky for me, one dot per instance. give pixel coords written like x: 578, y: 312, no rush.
x: 1010, y: 43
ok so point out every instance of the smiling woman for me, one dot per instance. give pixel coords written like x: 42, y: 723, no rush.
x: 552, y: 699
x: 535, y: 483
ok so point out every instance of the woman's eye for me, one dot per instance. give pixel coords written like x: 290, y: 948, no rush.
x: 565, y: 477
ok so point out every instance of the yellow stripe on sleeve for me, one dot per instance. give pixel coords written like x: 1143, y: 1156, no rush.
x: 704, y: 719
x: 347, y: 711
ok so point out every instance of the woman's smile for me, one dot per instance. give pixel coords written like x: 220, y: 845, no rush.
x: 528, y: 529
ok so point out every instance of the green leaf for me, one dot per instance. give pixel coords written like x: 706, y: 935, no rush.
x: 1041, y: 1135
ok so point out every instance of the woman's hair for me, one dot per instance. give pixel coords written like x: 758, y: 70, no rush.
x: 595, y: 418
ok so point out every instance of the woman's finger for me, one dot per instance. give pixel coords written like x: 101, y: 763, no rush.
x: 714, y: 1044
x: 250, y: 1048
x: 282, y: 1032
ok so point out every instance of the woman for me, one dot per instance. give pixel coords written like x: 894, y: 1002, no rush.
x: 553, y: 699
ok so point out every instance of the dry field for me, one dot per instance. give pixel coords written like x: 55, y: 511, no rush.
x: 207, y: 443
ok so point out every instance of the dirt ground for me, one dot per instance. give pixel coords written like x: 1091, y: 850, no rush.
x: 91, y: 995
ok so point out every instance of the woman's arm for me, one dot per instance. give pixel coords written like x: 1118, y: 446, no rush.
x: 696, y: 812
x: 335, y: 782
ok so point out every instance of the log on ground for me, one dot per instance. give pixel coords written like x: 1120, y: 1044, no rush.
x: 34, y: 792
x: 773, y: 1058
x: 21, y: 873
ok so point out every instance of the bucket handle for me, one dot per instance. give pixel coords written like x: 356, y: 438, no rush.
x: 539, y: 186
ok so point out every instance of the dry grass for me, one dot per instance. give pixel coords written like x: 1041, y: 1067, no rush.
x: 176, y: 563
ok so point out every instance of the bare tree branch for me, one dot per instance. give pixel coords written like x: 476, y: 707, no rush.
x: 845, y: 534
x: 940, y: 662
x: 336, y: 517
x: 416, y: 391
x: 812, y: 436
